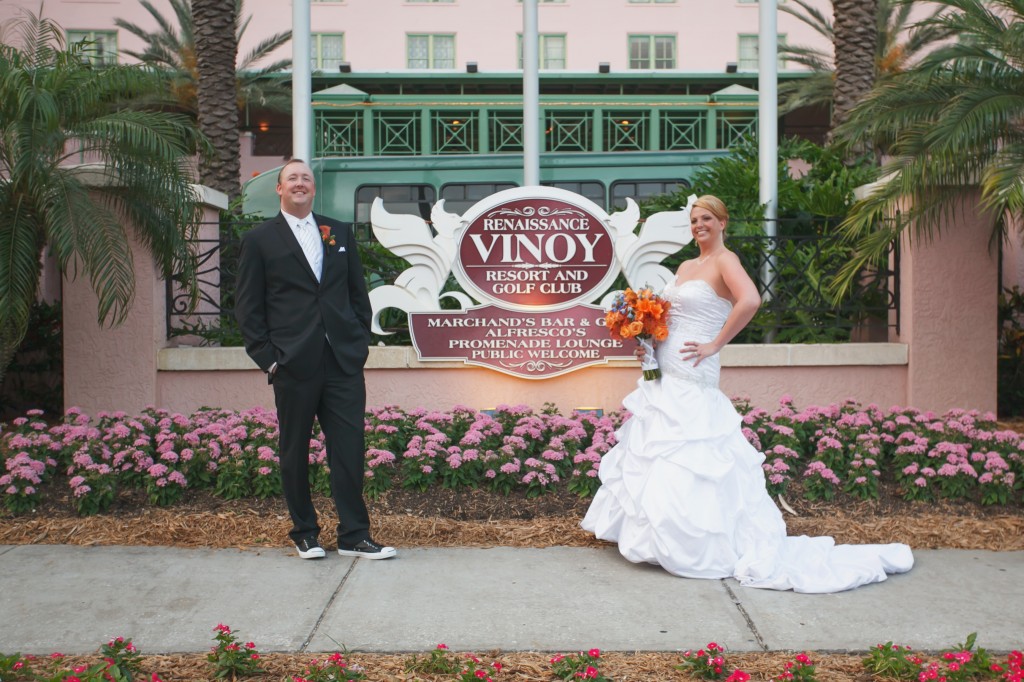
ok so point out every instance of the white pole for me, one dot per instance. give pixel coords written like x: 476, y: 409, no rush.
x: 531, y: 96
x: 302, y: 85
x: 768, y: 129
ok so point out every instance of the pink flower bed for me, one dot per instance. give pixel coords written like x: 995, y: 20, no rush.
x: 842, y: 449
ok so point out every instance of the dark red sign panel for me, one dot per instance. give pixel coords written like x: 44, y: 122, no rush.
x: 534, y: 345
x: 535, y: 252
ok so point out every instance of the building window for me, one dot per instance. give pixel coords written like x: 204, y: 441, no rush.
x: 747, y: 52
x: 100, y: 48
x: 638, y: 190
x: 433, y: 51
x: 652, y: 52
x: 411, y: 199
x: 326, y: 51
x: 460, y: 197
x: 592, y: 189
x: 550, y: 48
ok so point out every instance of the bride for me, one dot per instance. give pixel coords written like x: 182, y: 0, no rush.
x: 683, y: 488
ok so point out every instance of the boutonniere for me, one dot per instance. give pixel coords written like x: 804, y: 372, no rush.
x: 325, y: 234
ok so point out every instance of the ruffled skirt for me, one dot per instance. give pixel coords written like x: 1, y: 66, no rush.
x: 684, y: 489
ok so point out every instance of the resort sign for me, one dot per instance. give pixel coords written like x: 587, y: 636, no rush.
x: 535, y: 265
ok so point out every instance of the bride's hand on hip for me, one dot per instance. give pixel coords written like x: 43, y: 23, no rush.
x: 692, y: 350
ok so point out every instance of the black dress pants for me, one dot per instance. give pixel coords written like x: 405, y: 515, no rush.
x: 338, y: 400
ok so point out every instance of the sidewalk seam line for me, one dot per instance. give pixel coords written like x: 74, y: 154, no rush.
x: 327, y: 607
x: 746, y: 616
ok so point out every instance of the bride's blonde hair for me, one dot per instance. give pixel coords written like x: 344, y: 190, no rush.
x: 714, y: 206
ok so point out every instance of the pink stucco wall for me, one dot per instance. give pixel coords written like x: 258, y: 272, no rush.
x: 115, y: 368
x: 949, y: 289
x: 602, y: 387
x: 1013, y: 256
x: 375, y: 30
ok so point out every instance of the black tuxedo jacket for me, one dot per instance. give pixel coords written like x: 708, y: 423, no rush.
x: 284, y: 313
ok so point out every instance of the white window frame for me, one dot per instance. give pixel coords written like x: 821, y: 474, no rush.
x: 544, y: 42
x: 99, y: 52
x: 432, y: 46
x: 652, y: 50
x: 316, y: 52
x: 752, y: 63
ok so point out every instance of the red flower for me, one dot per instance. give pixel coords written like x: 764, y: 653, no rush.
x: 325, y: 234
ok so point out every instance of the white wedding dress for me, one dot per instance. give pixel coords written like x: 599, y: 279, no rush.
x: 684, y: 489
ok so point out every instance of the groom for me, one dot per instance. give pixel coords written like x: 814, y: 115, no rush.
x: 304, y: 312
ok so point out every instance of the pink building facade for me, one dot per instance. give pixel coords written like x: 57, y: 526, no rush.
x: 430, y: 37
x: 708, y: 34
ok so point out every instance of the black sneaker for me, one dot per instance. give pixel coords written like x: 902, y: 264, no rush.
x: 367, y: 549
x: 309, y: 548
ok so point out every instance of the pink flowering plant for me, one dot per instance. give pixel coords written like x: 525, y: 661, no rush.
x: 119, y: 661
x: 818, y: 452
x: 707, y: 663
x: 121, y: 654
x: 586, y: 463
x: 475, y: 670
x: 440, y: 661
x: 800, y: 669
x: 959, y: 663
x: 231, y: 659
x: 578, y: 666
x: 333, y: 668
x: 26, y: 462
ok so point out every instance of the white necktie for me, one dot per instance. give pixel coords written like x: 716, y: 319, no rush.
x: 309, y: 239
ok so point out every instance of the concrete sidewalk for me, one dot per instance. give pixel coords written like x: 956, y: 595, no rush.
x: 72, y: 599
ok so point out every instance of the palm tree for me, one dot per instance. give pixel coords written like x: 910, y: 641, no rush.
x: 216, y: 22
x: 855, y: 39
x: 54, y: 108
x: 172, y: 49
x: 952, y: 123
x: 899, y: 44
x: 197, y: 59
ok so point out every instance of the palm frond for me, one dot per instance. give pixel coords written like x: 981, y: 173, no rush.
x: 172, y: 48
x: 52, y: 109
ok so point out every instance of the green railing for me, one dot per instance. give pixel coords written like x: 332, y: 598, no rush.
x: 411, y: 127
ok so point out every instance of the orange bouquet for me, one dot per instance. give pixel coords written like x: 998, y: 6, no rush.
x: 640, y: 315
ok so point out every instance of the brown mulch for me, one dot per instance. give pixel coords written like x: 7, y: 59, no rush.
x: 476, y: 518
x: 517, y: 666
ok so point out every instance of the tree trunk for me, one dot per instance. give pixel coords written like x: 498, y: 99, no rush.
x: 855, y: 27
x: 214, y: 23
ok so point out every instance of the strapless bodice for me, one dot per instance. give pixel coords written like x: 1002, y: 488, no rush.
x: 697, y: 314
